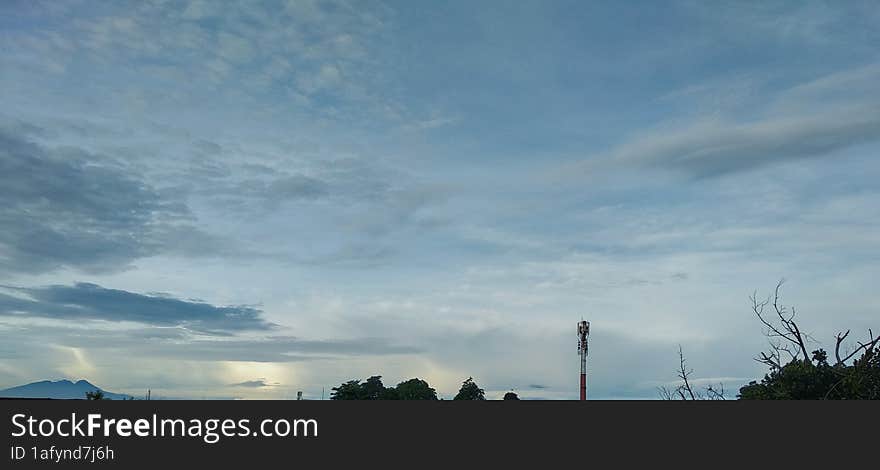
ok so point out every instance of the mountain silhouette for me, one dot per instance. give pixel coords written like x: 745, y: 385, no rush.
x: 62, y: 389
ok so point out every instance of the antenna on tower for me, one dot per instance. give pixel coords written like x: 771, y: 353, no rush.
x: 583, y: 349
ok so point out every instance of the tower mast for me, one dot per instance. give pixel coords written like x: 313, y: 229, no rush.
x: 583, y: 348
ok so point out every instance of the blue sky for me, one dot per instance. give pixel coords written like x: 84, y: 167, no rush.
x: 200, y: 194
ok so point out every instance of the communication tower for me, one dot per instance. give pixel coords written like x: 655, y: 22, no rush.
x: 583, y: 348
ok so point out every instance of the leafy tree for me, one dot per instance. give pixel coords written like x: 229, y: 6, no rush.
x: 96, y: 395
x: 797, y: 380
x: 511, y: 396
x: 390, y: 394
x: 415, y: 389
x: 795, y: 374
x: 810, y: 376
x: 351, y: 390
x: 373, y: 389
x: 818, y: 380
x: 862, y: 380
x: 470, y: 391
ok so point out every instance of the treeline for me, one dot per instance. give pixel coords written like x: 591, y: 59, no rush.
x: 796, y: 371
x: 412, y: 389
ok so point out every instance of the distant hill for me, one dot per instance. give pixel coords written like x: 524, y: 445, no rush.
x: 62, y: 389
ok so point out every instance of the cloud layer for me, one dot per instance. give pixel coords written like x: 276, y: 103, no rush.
x: 84, y: 301
x: 435, y: 191
x: 66, y: 208
x: 717, y: 148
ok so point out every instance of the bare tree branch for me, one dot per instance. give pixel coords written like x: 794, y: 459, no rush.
x: 715, y: 393
x: 686, y: 391
x: 787, y: 329
x: 684, y: 373
x: 870, y: 345
x: 838, y: 341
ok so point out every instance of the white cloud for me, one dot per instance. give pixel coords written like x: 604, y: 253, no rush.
x: 813, y: 119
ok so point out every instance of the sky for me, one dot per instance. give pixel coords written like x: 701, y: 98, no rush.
x: 252, y: 199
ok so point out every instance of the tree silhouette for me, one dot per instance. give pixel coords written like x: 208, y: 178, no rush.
x: 795, y: 374
x: 470, y: 391
x: 685, y: 390
x: 511, y: 396
x: 373, y: 389
x: 415, y: 389
x: 810, y: 376
x: 351, y: 390
x: 96, y: 395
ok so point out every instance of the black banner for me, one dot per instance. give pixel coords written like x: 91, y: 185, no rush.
x: 395, y: 434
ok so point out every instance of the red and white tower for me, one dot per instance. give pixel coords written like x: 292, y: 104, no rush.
x: 583, y: 348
